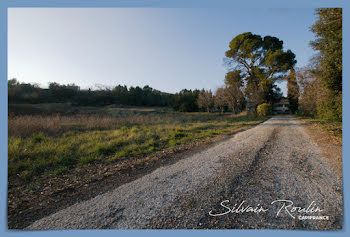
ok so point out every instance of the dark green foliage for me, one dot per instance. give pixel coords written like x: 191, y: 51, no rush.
x: 328, y: 32
x: 186, y: 101
x: 63, y: 93
x: 135, y: 96
x: 260, y: 58
x: 274, y: 94
x: 293, y: 91
x: 330, y: 109
x: 234, y: 78
x: 259, y: 63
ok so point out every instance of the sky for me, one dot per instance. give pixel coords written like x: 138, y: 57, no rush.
x: 167, y: 49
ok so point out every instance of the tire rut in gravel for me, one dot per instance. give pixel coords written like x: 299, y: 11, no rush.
x: 191, y: 210
x: 274, y: 161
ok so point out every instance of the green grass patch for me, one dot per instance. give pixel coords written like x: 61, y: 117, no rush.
x: 40, y: 154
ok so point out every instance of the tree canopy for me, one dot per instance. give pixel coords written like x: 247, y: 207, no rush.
x: 293, y: 91
x: 205, y: 99
x: 258, y: 63
x: 258, y: 58
x: 328, y: 33
x: 321, y: 81
x: 71, y: 93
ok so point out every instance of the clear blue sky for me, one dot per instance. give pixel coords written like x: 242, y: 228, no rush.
x: 167, y: 49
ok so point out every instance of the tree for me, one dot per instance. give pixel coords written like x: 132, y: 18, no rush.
x: 205, y: 99
x: 13, y: 82
x: 120, y: 95
x: 234, y: 98
x: 63, y: 93
x: 233, y: 94
x: 255, y: 95
x: 102, y: 95
x: 185, y: 101
x: 274, y: 94
x: 310, y: 89
x: 328, y: 33
x: 220, y: 99
x: 259, y: 62
x: 234, y: 78
x: 293, y: 91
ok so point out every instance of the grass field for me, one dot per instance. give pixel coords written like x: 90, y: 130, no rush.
x: 52, y: 144
x: 59, y: 154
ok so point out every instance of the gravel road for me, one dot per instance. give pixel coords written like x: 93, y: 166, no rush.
x: 257, y: 168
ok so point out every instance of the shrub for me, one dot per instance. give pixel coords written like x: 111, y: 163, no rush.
x: 264, y: 109
x: 330, y: 109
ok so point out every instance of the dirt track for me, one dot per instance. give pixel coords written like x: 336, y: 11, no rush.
x: 273, y: 161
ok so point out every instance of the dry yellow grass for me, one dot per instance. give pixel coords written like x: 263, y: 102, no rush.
x: 56, y: 125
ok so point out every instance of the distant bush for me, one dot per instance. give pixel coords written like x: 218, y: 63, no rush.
x: 264, y: 109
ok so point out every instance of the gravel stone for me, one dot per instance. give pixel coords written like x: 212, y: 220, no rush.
x: 274, y: 160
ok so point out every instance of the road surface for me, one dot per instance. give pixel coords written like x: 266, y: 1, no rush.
x: 270, y: 176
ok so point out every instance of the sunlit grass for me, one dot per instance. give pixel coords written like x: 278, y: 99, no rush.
x: 40, y: 153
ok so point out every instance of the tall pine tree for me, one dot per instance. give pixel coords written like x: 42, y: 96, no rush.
x: 293, y: 91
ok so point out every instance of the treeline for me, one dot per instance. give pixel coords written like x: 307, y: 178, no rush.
x: 27, y: 93
x: 183, y: 101
x: 321, y: 81
x: 256, y: 64
x: 71, y: 93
